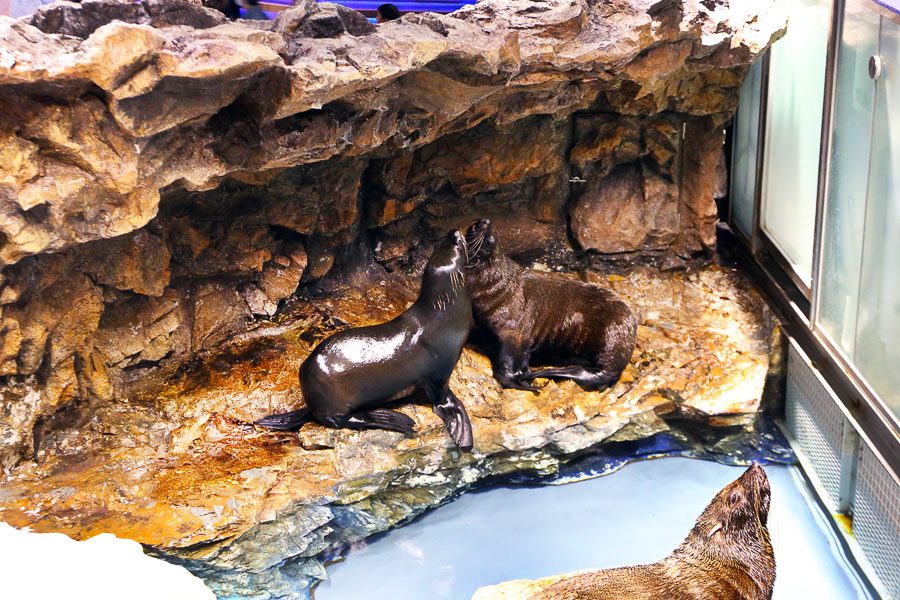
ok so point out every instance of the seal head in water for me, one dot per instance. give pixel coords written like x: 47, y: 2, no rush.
x: 352, y: 373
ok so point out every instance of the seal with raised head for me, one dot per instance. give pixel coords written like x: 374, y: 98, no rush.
x: 585, y: 329
x: 352, y: 372
x: 726, y: 556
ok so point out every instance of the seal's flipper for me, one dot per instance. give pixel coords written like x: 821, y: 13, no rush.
x: 586, y: 378
x: 456, y: 420
x: 288, y: 421
x: 380, y: 418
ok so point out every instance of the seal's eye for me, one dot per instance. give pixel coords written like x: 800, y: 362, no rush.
x: 735, y: 497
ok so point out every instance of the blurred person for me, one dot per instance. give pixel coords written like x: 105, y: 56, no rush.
x: 387, y: 12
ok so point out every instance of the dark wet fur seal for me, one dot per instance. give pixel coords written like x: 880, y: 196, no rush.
x: 585, y: 329
x: 354, y: 371
x: 726, y: 556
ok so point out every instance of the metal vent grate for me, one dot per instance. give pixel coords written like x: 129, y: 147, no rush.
x: 876, y: 520
x: 815, y: 422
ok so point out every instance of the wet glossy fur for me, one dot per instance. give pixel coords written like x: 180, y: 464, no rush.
x: 585, y: 329
x: 353, y: 371
x: 727, y: 556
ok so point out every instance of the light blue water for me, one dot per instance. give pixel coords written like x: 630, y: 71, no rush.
x: 636, y: 515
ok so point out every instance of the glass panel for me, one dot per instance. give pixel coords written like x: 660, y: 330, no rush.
x: 793, y: 132
x: 845, y: 208
x: 878, y: 328
x: 746, y: 144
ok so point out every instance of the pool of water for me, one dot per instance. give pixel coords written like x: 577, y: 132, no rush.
x: 636, y: 515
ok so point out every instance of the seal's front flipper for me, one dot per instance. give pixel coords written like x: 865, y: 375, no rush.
x: 288, y: 421
x: 456, y: 420
x: 380, y: 418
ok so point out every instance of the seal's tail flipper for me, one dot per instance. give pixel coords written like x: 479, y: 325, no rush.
x: 288, y: 421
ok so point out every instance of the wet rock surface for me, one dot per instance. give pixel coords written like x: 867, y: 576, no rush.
x: 174, y: 464
x: 169, y: 178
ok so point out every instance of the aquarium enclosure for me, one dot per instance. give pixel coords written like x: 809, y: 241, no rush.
x: 467, y: 300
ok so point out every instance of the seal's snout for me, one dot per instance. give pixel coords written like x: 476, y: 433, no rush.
x: 755, y: 478
x: 755, y: 486
x: 478, y: 228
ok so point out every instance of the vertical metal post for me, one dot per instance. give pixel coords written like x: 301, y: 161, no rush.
x: 831, y: 58
x: 755, y: 241
x: 849, y: 465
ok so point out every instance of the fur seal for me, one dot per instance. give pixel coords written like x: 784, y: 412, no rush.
x: 726, y: 556
x: 585, y: 327
x: 353, y: 371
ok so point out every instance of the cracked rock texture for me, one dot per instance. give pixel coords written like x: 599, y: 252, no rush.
x: 168, y: 177
x: 174, y: 464
x: 188, y: 203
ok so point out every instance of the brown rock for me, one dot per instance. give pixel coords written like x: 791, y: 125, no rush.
x: 83, y: 18
x: 322, y: 20
x: 166, y: 13
x: 58, y: 320
x: 138, y: 261
x: 218, y: 311
x: 482, y: 160
x: 155, y: 468
x: 604, y: 141
x: 257, y: 301
x: 282, y: 274
x: 320, y: 259
x: 305, y: 100
x: 143, y: 330
x: 704, y: 180
x: 226, y: 247
x: 10, y: 345
x: 632, y: 209
x: 320, y: 199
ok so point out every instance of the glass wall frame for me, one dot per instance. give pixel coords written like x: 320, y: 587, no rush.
x: 856, y: 308
x: 869, y: 406
x: 796, y: 101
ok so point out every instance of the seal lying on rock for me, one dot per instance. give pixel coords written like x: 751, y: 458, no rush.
x: 726, y: 556
x: 585, y: 327
x: 353, y: 371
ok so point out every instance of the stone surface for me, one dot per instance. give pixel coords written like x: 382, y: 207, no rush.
x: 187, y: 204
x: 187, y: 99
x: 175, y: 465
x: 155, y: 150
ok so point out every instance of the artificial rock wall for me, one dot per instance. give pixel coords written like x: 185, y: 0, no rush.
x: 168, y: 177
x: 189, y: 205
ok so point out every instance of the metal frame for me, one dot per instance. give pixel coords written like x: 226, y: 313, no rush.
x: 869, y: 396
x: 831, y: 60
x: 770, y: 247
x: 753, y: 240
x: 755, y: 243
x: 873, y: 417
